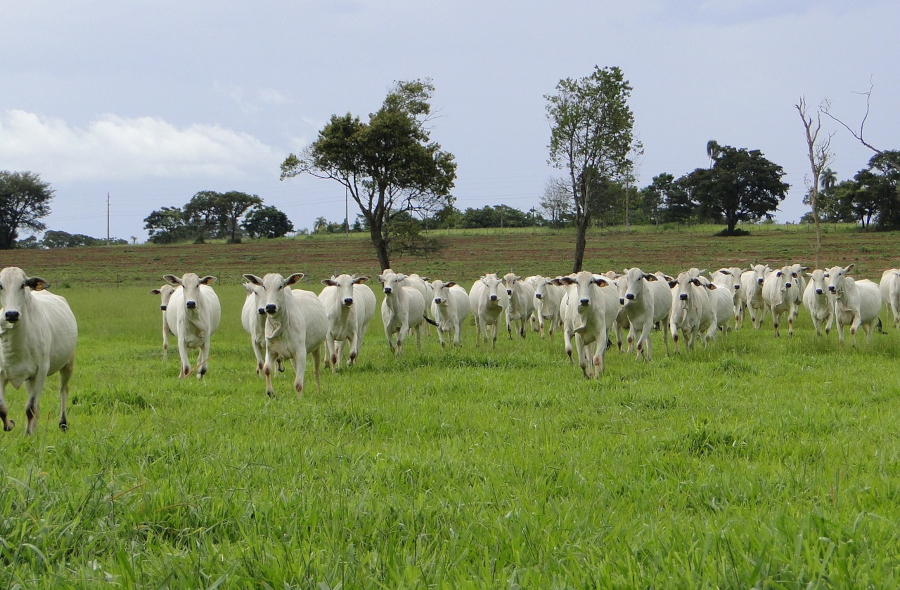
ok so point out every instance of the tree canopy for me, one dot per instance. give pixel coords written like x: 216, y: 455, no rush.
x: 741, y: 185
x: 266, y: 222
x: 388, y: 165
x: 24, y: 201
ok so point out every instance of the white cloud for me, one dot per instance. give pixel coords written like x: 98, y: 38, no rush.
x: 115, y: 147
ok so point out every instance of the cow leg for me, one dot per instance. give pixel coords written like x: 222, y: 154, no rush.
x: 267, y: 370
x: 317, y: 358
x: 33, y: 406
x: 4, y: 410
x: 202, y: 358
x: 299, y: 362
x: 185, y: 361
x: 64, y: 375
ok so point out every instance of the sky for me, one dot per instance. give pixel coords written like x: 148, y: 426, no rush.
x: 126, y: 107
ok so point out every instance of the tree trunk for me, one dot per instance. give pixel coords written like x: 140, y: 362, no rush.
x: 581, y: 225
x: 380, y: 244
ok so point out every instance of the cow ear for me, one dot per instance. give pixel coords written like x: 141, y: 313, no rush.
x: 329, y: 282
x: 360, y: 280
x: 711, y: 287
x: 293, y: 279
x: 847, y: 269
x: 172, y: 279
x: 696, y: 283
x: 36, y: 283
x: 155, y: 292
x: 672, y: 284
x: 451, y: 284
x: 208, y: 280
x: 650, y: 277
x: 254, y: 279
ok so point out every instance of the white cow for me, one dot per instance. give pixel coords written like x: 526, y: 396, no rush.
x: 547, y: 299
x: 646, y: 300
x: 193, y: 315
x: 165, y: 293
x: 349, y: 306
x: 449, y: 308
x: 778, y: 295
x: 730, y: 280
x: 721, y: 301
x: 857, y: 303
x: 521, y: 303
x: 487, y: 301
x: 691, y: 312
x: 417, y: 282
x: 890, y: 293
x: 253, y: 319
x: 295, y: 327
x: 593, y: 305
x: 751, y: 294
x: 38, y: 334
x: 402, y: 310
x: 798, y: 287
x: 818, y: 302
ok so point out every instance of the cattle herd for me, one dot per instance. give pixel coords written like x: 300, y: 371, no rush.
x: 38, y: 331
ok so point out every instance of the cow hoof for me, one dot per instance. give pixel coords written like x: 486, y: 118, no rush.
x: 63, y: 426
x: 10, y: 426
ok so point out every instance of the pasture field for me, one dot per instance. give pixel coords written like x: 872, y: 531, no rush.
x: 753, y: 462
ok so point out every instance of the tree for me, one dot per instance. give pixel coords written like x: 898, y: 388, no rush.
x: 819, y: 154
x: 388, y: 165
x: 556, y: 202
x: 166, y: 225
x: 741, y: 185
x: 231, y: 206
x: 54, y: 239
x: 24, y: 201
x: 266, y: 222
x: 656, y: 196
x: 202, y: 213
x: 879, y: 190
x: 591, y: 138
x: 892, y: 158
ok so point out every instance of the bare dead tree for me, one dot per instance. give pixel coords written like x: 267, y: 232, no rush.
x: 825, y: 108
x: 819, y: 153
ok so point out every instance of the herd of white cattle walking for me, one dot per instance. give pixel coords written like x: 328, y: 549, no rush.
x: 38, y: 331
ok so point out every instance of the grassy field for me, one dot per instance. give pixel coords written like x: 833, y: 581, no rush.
x: 752, y: 463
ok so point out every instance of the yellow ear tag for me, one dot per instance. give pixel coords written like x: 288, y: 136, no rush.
x: 39, y: 287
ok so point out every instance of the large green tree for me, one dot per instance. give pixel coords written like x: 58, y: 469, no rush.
x: 166, y: 225
x: 591, y: 138
x: 879, y: 186
x: 266, y: 222
x: 741, y: 185
x: 24, y: 201
x: 388, y: 165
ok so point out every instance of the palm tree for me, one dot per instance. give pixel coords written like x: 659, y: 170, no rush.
x: 828, y: 180
x: 713, y: 150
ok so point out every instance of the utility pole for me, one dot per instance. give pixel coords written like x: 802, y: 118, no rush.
x: 107, y: 219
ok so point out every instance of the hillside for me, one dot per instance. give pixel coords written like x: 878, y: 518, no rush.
x: 466, y: 254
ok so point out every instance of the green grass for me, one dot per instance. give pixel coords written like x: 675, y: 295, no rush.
x: 751, y: 463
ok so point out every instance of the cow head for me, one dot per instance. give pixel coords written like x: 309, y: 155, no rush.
x: 819, y: 281
x: 586, y: 285
x: 441, y: 291
x: 836, y: 276
x: 492, y: 283
x: 344, y: 284
x: 275, y: 287
x: 165, y: 293
x: 190, y: 282
x: 15, y: 293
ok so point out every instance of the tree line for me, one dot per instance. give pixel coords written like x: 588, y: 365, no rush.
x: 401, y: 179
x: 214, y: 215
